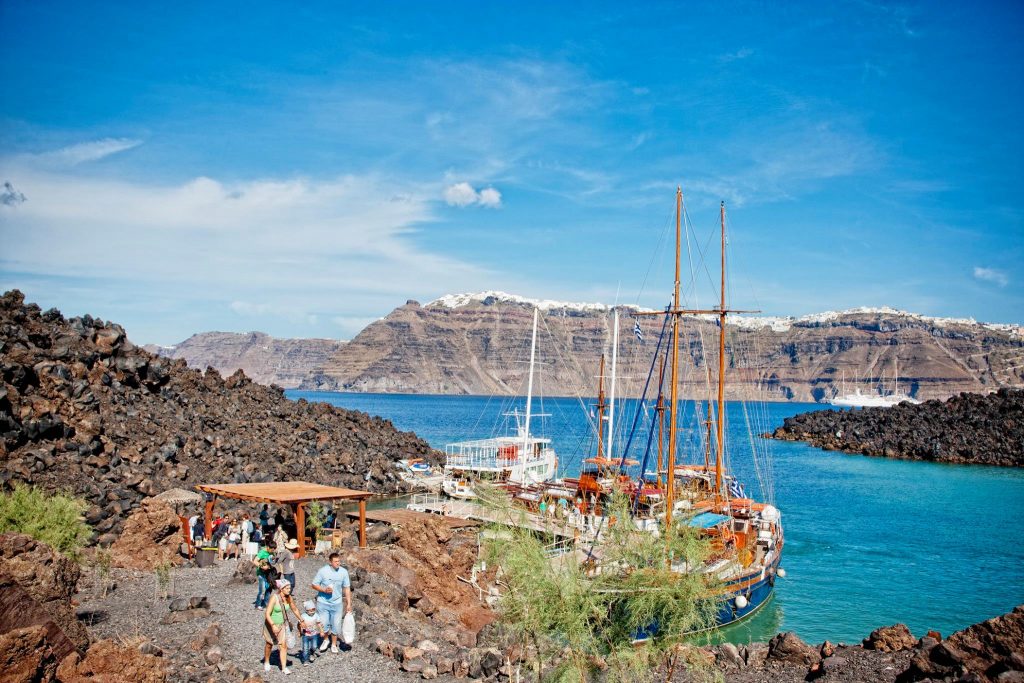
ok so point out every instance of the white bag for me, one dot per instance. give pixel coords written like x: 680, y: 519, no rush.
x: 348, y: 629
x: 290, y: 640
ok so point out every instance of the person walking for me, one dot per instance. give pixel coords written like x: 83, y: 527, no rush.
x: 285, y: 561
x: 276, y: 624
x: 247, y: 529
x: 333, y: 586
x: 262, y: 562
x: 312, y: 631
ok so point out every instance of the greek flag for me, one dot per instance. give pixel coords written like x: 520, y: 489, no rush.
x: 637, y: 331
x: 735, y: 489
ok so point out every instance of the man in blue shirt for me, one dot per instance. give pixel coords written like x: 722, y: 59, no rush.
x: 332, y: 584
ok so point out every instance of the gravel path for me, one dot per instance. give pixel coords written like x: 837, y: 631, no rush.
x: 132, y: 610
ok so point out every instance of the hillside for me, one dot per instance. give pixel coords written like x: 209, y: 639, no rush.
x: 264, y: 359
x: 83, y: 409
x: 475, y: 344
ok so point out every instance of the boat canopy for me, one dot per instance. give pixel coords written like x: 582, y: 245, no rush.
x: 706, y: 520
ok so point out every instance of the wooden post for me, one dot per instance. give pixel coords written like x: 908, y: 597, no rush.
x: 300, y: 528
x: 209, y: 517
x: 362, y: 522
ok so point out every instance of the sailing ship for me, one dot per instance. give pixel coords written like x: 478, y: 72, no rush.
x: 517, y: 459
x: 745, y: 535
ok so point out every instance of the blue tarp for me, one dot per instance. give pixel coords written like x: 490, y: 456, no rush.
x: 706, y: 520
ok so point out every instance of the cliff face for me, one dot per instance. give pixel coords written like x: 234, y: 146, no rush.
x: 264, y: 359
x: 83, y: 409
x: 478, y: 344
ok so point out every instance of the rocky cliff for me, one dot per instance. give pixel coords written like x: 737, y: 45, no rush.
x: 264, y: 359
x: 478, y: 344
x: 967, y: 429
x: 83, y: 409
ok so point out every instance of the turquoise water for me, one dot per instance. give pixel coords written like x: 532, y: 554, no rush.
x: 869, y: 541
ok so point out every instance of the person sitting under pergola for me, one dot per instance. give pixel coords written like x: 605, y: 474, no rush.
x: 295, y: 494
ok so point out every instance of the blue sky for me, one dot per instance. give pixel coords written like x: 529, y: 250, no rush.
x: 302, y: 171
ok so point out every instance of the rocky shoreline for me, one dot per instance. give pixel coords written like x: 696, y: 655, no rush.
x: 84, y: 410
x: 416, y: 620
x: 966, y: 429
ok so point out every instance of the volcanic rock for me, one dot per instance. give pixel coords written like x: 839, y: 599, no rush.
x: 890, y: 639
x: 83, y: 409
x: 107, y: 661
x: 969, y: 428
x: 787, y: 647
x: 26, y: 655
x: 36, y: 587
x: 151, y: 537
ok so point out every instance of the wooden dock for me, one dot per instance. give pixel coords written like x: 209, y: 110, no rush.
x: 399, y: 516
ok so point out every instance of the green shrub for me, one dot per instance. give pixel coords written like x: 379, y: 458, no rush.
x: 53, y: 519
x: 562, y: 610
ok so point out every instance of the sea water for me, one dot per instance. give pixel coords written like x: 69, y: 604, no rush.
x: 869, y: 541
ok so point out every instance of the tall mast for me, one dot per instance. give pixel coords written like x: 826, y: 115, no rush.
x: 601, y: 405
x: 721, y: 370
x: 529, y: 387
x: 659, y: 408
x: 674, y: 392
x: 611, y: 399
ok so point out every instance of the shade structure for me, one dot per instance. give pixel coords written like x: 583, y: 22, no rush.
x: 296, y: 494
x: 180, y: 497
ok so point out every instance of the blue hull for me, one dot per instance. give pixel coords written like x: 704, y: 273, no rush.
x: 756, y: 594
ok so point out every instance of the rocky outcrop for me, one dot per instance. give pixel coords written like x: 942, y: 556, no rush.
x: 82, y: 408
x: 989, y: 652
x: 107, y: 661
x: 41, y: 639
x: 969, y: 429
x: 414, y: 601
x: 470, y: 344
x: 264, y: 359
x: 151, y: 537
x: 36, y: 588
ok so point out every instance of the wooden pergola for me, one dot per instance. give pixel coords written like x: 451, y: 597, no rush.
x: 296, y: 494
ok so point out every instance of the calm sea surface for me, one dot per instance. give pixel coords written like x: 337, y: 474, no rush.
x: 869, y: 541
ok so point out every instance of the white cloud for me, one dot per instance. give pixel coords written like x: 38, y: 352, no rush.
x: 992, y: 275
x: 298, y: 253
x: 85, y: 151
x: 463, y: 194
x: 490, y: 198
x: 460, y: 194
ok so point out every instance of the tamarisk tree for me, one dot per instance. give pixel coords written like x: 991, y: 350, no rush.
x: 579, y: 614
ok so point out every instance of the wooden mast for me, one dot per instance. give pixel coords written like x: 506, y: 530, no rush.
x: 600, y: 409
x: 673, y: 413
x: 721, y: 369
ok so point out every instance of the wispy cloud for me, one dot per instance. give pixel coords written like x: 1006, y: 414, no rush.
x: 996, y: 277
x: 279, y: 249
x: 742, y: 53
x: 80, y: 153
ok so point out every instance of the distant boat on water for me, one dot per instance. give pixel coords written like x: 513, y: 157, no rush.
x: 856, y: 399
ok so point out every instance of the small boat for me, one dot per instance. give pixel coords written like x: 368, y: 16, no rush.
x: 519, y: 458
x: 856, y: 399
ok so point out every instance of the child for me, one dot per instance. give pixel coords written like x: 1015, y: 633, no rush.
x: 312, y: 629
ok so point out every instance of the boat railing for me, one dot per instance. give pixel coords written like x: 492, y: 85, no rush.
x: 491, y: 455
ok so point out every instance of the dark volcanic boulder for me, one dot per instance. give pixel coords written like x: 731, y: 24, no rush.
x: 969, y: 428
x: 36, y: 588
x: 82, y: 408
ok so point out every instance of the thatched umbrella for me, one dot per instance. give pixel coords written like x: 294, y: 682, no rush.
x: 180, y: 497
